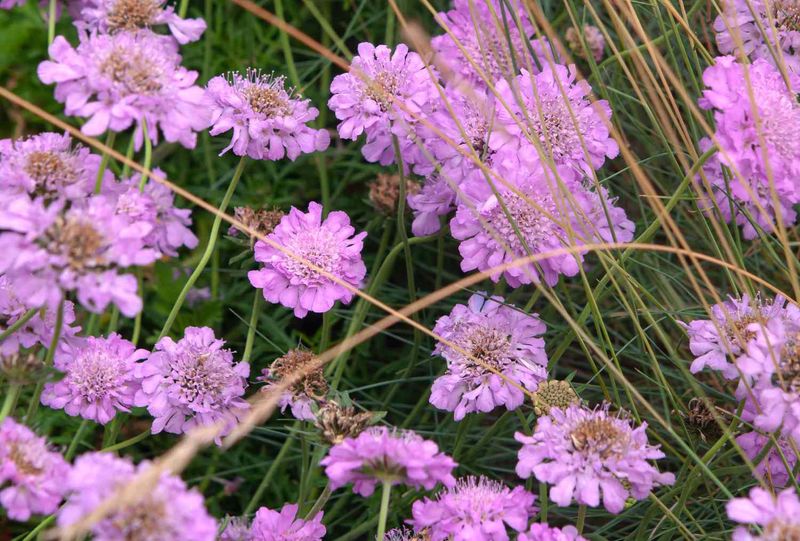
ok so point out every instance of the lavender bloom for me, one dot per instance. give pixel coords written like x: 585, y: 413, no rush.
x: 268, y: 122
x: 330, y: 244
x: 303, y: 394
x: 475, y: 509
x: 499, y: 336
x: 584, y: 453
x: 170, y: 510
x: 543, y: 532
x: 382, y: 454
x: 435, y: 198
x: 124, y: 79
x: 11, y: 4
x: 98, y: 377
x: 777, y: 517
x: 772, y: 466
x: 283, y: 525
x: 110, y: 16
x: 35, y: 474
x: 192, y: 382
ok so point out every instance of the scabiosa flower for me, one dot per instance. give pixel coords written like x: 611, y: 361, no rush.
x: 192, y: 382
x: 98, y: 377
x: 170, y: 510
x: 124, y: 79
x: 381, y: 454
x: 499, y: 336
x: 551, y: 110
x: 384, y: 94
x: 778, y: 517
x: 48, y: 165
x: 284, y: 525
x: 330, y: 244
x: 268, y: 121
x: 475, y: 509
x: 35, y: 474
x: 594, y: 39
x: 110, y: 16
x: 772, y: 466
x: 10, y: 4
x: 306, y: 392
x: 586, y: 454
x: 436, y: 198
x: 543, y: 532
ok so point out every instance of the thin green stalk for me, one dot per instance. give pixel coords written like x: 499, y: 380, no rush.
x: 212, y: 242
x: 384, y: 512
x: 543, y: 501
x: 127, y: 443
x: 581, y: 518
x: 113, y: 320
x: 101, y: 172
x: 270, y: 472
x: 137, y: 321
x: 148, y: 156
x: 251, y: 330
x: 48, y: 360
x: 287, y: 48
x: 9, y: 401
x: 183, y: 9
x: 111, y: 430
x: 305, y: 470
x: 73, y: 445
x: 126, y: 169
x: 52, y: 10
x: 320, y: 502
x: 325, y: 333
x: 14, y: 327
x: 33, y: 534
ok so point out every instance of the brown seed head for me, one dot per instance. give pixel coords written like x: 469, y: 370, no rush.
x: 132, y: 14
x: 312, y: 385
x: 337, y: 423
x: 385, y: 190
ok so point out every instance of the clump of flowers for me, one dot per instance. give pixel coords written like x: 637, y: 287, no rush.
x: 475, y: 508
x: 590, y: 455
x: 110, y: 16
x: 384, y: 192
x: 500, y: 353
x: 304, y: 394
x: 772, y: 466
x: 381, y: 454
x: 777, y: 517
x: 336, y: 422
x: 124, y: 79
x: 192, y: 382
x: 268, y: 121
x: 330, y: 244
x: 595, y: 41
x: 170, y: 510
x: 98, y: 377
x: 34, y: 474
x: 543, y: 532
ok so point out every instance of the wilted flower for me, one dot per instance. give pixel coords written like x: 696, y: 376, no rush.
x: 109, y: 16
x: 777, y: 517
x: 311, y: 388
x: 381, y: 454
x: 20, y: 368
x: 406, y: 534
x: 594, y: 39
x: 435, y: 198
x: 337, y: 423
x: 543, y: 532
x: 384, y: 192
x: 554, y: 394
x: 262, y: 221
x: 586, y: 454
x: 268, y: 121
x: 330, y: 244
x: 283, y: 525
x: 772, y: 466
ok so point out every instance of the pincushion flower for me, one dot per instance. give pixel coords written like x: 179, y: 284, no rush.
x: 306, y: 392
x: 10, y: 4
x: 502, y: 337
x: 543, y: 532
x: 192, y: 382
x: 169, y: 510
x: 772, y: 466
x: 777, y: 517
x: 110, y: 16
x: 436, y: 198
x: 381, y: 454
x: 330, y: 244
x: 551, y: 110
x: 268, y: 121
x: 125, y: 79
x: 98, y: 377
x: 284, y: 525
x: 34, y: 474
x: 589, y: 456
x: 475, y: 509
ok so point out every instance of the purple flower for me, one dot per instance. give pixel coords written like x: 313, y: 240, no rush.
x: 110, y: 16
x: 124, y: 79
x: 306, y: 392
x: 475, y: 509
x: 283, y: 525
x: 330, y: 244
x: 588, y: 454
x: 34, y: 473
x: 543, y: 532
x: 268, y: 121
x: 778, y: 517
x: 10, y: 4
x: 380, y: 454
x: 170, y: 510
x: 772, y: 466
x: 383, y: 95
x: 98, y: 377
x: 192, y: 382
x: 436, y: 198
x: 500, y: 336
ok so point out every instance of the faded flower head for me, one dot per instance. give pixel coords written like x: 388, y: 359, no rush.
x: 336, y: 422
x: 502, y: 353
x: 771, y: 467
x: 192, y: 382
x: 543, y: 532
x: 777, y: 517
x: 554, y: 394
x: 110, y: 16
x: 20, y: 368
x: 381, y: 454
x: 475, y: 509
x: 589, y: 455
x: 330, y: 244
x: 384, y: 192
x: 169, y: 510
x: 310, y: 389
x: 262, y: 221
x: 406, y: 534
x: 594, y: 39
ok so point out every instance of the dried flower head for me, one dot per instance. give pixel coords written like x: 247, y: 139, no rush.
x: 262, y: 221
x: 307, y: 391
x: 595, y: 41
x: 20, y: 368
x: 553, y: 394
x: 384, y: 192
x: 406, y: 534
x: 337, y: 423
x: 110, y: 16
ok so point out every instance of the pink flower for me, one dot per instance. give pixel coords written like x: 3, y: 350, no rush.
x: 124, y: 79
x: 10, y: 4
x: 269, y: 525
x: 35, y: 474
x: 381, y: 454
x: 170, y: 510
x: 543, y: 532
x: 110, y: 16
x: 436, y: 198
x: 500, y: 336
x: 98, y: 377
x: 777, y: 517
x: 772, y: 466
x: 268, y: 122
x: 475, y: 509
x: 330, y: 244
x: 588, y: 455
x: 192, y: 382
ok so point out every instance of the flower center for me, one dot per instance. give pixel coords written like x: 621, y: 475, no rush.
x: 382, y: 88
x: 788, y: 376
x: 49, y: 171
x: 736, y: 330
x: 780, y: 123
x: 477, y: 498
x: 599, y: 436
x: 554, y: 394
x: 78, y: 242
x: 551, y: 118
x: 145, y: 521
x: 201, y: 378
x: 132, y: 71
x: 778, y: 530
x: 20, y: 453
x: 269, y: 101
x: 786, y: 14
x: 132, y: 14
x: 94, y: 375
x: 319, y: 247
x: 533, y: 225
x: 489, y: 345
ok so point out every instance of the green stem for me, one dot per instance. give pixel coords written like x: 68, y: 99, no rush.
x: 39, y: 527
x: 270, y: 473
x: 10, y: 400
x: 48, y: 359
x: 73, y: 445
x: 51, y: 21
x: 137, y: 321
x: 148, y: 156
x: 581, y: 518
x: 543, y: 500
x: 127, y: 443
x: 251, y: 330
x: 384, y: 512
x: 101, y: 172
x: 14, y: 327
x: 184, y: 7
x: 212, y: 242
x: 128, y: 154
x: 320, y: 503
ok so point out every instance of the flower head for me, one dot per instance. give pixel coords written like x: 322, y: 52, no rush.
x: 110, y: 16
x: 330, y: 244
x: 263, y: 221
x: 543, y: 532
x: 381, y: 454
x: 588, y: 454
x: 475, y: 509
x: 594, y: 39
x: 336, y: 422
x: 772, y: 466
x: 384, y: 192
x: 192, y: 382
x: 435, y: 198
x: 283, y: 525
x: 778, y: 517
x: 303, y: 394
x: 35, y: 475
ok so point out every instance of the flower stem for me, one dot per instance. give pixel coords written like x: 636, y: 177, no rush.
x: 9, y: 401
x: 76, y: 439
x: 148, y: 156
x: 212, y: 242
x: 320, y: 503
x: 581, y: 518
x: 101, y: 171
x: 270, y: 472
x: 251, y: 330
x: 14, y: 327
x: 137, y: 321
x: 127, y: 443
x: 48, y: 360
x: 51, y: 21
x: 384, y: 512
x: 126, y: 169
